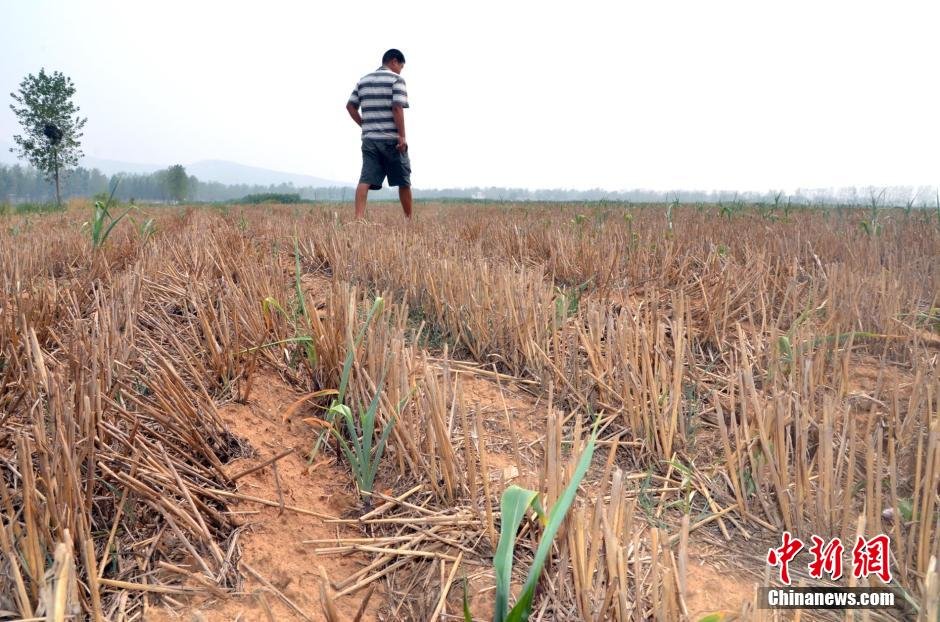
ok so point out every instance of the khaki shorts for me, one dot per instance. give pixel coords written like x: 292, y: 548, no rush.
x: 381, y: 159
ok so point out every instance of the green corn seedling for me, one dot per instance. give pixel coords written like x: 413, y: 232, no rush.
x: 670, y: 208
x: 579, y: 223
x: 268, y: 306
x: 514, y: 505
x: 309, y: 347
x: 299, y: 318
x: 569, y: 299
x: 358, y: 447
x: 871, y: 226
x: 102, y: 223
x: 145, y: 229
x: 333, y: 410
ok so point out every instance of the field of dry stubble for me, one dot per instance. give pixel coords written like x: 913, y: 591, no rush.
x: 176, y: 405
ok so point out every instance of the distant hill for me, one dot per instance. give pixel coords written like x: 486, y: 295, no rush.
x: 108, y: 167
x: 233, y: 173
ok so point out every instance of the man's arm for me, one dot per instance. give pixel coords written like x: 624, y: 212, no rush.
x: 353, y: 110
x: 398, y: 113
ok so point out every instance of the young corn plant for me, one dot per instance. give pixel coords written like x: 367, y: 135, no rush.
x: 669, y: 208
x: 299, y: 317
x: 568, y: 300
x: 357, y: 445
x: 145, y: 229
x: 578, y: 221
x: 338, y: 406
x: 687, y: 491
x: 770, y: 213
x: 634, y: 238
x: 725, y: 210
x: 514, y: 505
x: 871, y: 226
x: 102, y: 222
x: 302, y: 312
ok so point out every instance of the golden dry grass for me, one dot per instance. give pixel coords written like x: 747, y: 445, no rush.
x: 752, y: 374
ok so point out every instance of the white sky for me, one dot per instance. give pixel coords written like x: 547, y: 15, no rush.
x: 707, y: 95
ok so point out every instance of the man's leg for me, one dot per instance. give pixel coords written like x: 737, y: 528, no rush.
x: 362, y: 191
x: 404, y: 195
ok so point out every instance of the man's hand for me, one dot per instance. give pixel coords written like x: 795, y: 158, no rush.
x: 398, y: 114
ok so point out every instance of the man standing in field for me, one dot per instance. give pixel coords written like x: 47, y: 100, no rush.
x: 382, y: 97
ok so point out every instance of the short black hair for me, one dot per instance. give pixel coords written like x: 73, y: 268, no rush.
x: 393, y: 54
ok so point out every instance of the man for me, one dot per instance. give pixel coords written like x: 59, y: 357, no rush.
x: 382, y: 96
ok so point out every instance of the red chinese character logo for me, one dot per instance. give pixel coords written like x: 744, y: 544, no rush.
x: 782, y: 556
x: 828, y: 558
x: 872, y: 557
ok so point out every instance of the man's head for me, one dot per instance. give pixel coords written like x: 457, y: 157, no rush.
x: 394, y: 60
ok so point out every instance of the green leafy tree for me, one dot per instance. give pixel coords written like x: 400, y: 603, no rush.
x: 177, y: 182
x: 52, y: 129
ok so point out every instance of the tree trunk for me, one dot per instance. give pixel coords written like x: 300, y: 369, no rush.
x: 58, y: 194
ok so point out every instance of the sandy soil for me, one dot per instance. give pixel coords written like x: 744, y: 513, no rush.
x: 272, y: 542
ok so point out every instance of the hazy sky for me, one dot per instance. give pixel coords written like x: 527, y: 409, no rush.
x: 664, y: 95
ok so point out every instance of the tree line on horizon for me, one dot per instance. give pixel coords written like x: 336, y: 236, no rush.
x: 19, y: 184
x: 25, y: 184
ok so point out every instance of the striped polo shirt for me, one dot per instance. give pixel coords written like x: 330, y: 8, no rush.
x: 374, y: 95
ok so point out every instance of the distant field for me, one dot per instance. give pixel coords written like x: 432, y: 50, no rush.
x: 167, y: 444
